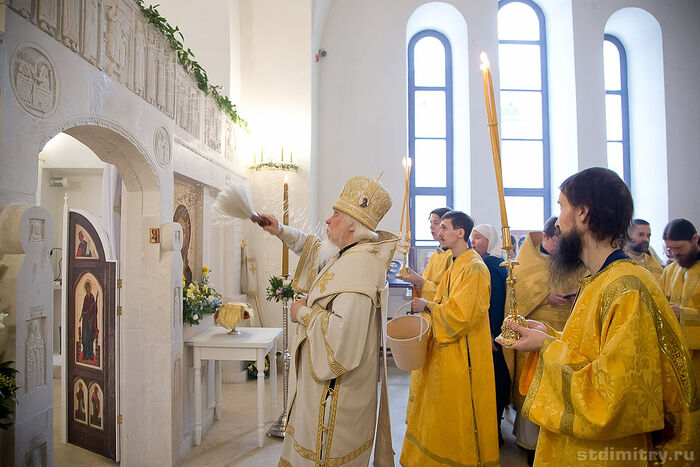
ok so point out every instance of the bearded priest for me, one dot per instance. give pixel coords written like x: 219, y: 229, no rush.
x: 617, y: 385
x: 333, y: 405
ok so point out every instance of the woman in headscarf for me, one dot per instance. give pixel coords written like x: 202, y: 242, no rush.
x: 487, y: 242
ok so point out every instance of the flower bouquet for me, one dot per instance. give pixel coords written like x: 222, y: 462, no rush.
x: 8, y: 389
x: 230, y: 315
x: 280, y: 288
x: 199, y: 299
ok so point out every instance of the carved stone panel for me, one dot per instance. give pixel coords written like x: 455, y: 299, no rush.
x: 188, y: 107
x: 151, y: 65
x: 22, y: 7
x: 140, y: 58
x: 35, y: 355
x: 47, y: 15
x: 212, y: 128
x: 177, y: 302
x: 37, y: 455
x: 118, y: 18
x: 70, y: 24
x: 170, y: 64
x: 162, y: 147
x: 91, y: 31
x: 36, y: 230
x: 230, y: 139
x: 34, y: 80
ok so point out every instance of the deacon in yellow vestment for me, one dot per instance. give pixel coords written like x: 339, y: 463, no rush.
x: 648, y: 262
x: 454, y: 418
x: 438, y: 264
x: 616, y: 387
x: 532, y: 290
x: 682, y: 288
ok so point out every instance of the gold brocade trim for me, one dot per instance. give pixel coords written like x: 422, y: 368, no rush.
x: 566, y: 425
x: 331, y: 423
x: 312, y: 270
x: 309, y: 316
x: 319, y: 427
x: 289, y: 429
x: 334, y: 365
x: 307, y: 250
x: 336, y: 461
x: 535, y: 384
x: 674, y: 351
x: 284, y: 463
x: 311, y: 365
x: 444, y: 460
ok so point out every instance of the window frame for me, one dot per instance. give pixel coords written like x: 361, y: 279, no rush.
x: 448, y: 189
x: 625, y: 110
x: 546, y: 191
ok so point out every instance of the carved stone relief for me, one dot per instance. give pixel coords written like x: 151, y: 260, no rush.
x: 162, y: 147
x: 36, y: 456
x: 47, y: 12
x: 212, y: 129
x: 70, y: 24
x: 140, y: 58
x: 177, y: 378
x: 151, y: 73
x: 35, y: 355
x: 160, y: 75
x: 118, y: 18
x: 187, y: 113
x: 230, y: 149
x: 91, y: 31
x: 177, y: 302
x: 34, y: 80
x: 36, y: 230
x: 170, y: 63
x: 22, y: 7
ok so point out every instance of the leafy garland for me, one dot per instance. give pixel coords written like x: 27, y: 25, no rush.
x: 8, y: 389
x: 186, y: 58
x: 288, y: 166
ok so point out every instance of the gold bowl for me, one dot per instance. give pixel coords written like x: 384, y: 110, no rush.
x: 230, y: 315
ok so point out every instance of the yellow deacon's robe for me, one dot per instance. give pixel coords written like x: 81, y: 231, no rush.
x: 531, y: 290
x: 682, y: 288
x: 335, y: 361
x: 617, y: 384
x: 454, y: 418
x: 648, y: 262
x: 438, y: 264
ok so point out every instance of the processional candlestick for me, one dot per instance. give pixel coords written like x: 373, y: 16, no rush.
x: 404, y: 244
x: 278, y: 428
x: 508, y: 336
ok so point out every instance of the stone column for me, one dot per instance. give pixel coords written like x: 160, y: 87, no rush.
x: 26, y: 295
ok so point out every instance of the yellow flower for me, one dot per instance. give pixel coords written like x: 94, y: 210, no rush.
x: 205, y: 269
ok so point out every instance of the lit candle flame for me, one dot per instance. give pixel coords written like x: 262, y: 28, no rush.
x: 484, y: 61
x: 285, y: 178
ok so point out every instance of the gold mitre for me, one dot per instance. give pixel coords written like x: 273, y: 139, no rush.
x: 364, y: 199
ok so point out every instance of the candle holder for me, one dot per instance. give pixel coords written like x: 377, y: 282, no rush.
x: 278, y: 427
x: 508, y: 336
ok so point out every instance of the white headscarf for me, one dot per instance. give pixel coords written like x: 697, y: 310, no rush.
x: 494, y: 239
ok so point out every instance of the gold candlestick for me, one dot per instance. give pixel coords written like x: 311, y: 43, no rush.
x: 404, y: 244
x: 508, y: 336
x: 285, y: 221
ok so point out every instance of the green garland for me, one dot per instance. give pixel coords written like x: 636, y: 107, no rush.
x: 288, y: 166
x: 186, y: 59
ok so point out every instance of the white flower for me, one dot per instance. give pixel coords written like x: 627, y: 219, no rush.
x: 287, y: 283
x: 195, y: 317
x: 2, y: 319
x: 190, y: 295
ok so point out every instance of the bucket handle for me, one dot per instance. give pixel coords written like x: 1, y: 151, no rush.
x: 398, y: 310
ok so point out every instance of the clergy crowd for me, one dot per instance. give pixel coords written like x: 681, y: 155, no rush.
x: 605, y: 371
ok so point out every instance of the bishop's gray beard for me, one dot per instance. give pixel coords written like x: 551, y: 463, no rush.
x: 565, y: 267
x: 326, y: 251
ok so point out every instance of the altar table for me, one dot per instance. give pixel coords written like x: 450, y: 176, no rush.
x: 251, y: 344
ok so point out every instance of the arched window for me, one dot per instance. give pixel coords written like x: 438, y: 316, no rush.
x: 524, y: 114
x: 430, y: 130
x: 616, y: 107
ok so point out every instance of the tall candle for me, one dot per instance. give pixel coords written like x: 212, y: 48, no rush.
x: 285, y: 221
x: 493, y: 133
x: 282, y: 153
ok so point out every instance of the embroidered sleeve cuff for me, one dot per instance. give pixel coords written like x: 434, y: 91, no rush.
x: 304, y: 316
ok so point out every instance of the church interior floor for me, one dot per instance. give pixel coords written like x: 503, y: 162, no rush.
x: 232, y: 440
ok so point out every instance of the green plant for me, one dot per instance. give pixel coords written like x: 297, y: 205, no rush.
x: 252, y: 368
x: 199, y: 299
x: 8, y: 389
x: 288, y: 166
x: 280, y: 288
x: 186, y: 58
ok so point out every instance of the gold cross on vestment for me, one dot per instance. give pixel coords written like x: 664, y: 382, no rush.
x: 327, y: 276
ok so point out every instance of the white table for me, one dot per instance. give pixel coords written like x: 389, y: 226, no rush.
x: 251, y: 344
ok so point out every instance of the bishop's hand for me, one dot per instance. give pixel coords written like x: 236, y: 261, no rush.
x: 271, y: 224
x: 294, y: 309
